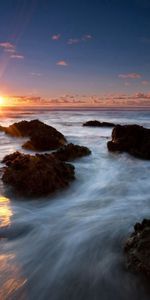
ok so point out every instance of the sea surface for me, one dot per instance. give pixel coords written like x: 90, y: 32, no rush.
x: 69, y: 246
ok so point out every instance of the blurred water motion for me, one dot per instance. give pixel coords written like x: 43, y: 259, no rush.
x: 69, y: 246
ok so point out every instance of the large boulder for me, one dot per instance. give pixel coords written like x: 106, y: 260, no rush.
x: 133, y: 139
x: 137, y: 248
x: 37, y: 175
x: 42, y: 136
x: 70, y: 152
x: 96, y: 123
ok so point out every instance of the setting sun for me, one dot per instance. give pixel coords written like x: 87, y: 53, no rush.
x: 2, y: 101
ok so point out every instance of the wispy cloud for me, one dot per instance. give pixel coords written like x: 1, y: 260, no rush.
x: 62, y: 63
x: 7, y: 46
x: 130, y: 76
x: 36, y: 74
x: 56, y: 37
x: 17, y: 56
x: 145, y: 82
x: 73, y: 41
x: 84, y: 38
x: 87, y: 37
x: 10, y: 49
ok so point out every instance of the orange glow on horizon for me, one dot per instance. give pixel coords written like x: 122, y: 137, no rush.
x: 2, y: 101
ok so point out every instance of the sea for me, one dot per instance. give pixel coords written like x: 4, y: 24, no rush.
x: 70, y: 245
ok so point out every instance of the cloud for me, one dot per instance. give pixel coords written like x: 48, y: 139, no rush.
x: 17, y: 56
x: 62, y: 63
x: 87, y: 37
x: 84, y: 38
x: 107, y: 100
x: 73, y: 41
x: 7, y: 46
x: 36, y: 74
x: 130, y: 76
x: 56, y: 37
x: 10, y: 49
x: 145, y: 82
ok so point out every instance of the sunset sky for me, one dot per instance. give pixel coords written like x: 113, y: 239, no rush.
x: 75, y: 49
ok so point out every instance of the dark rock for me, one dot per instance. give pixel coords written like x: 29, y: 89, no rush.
x: 70, y: 152
x: 8, y: 159
x: 133, y: 139
x: 137, y: 248
x: 42, y: 136
x: 36, y: 175
x: 96, y: 123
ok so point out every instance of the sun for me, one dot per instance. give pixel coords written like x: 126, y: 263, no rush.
x: 2, y: 100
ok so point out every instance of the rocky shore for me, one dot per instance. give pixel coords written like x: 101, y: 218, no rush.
x: 133, y: 139
x: 95, y: 123
x: 70, y: 152
x: 36, y: 175
x: 137, y: 248
x: 42, y: 136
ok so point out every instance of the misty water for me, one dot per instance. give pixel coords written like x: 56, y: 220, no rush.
x: 69, y: 246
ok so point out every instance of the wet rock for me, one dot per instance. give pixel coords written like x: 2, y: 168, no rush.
x: 42, y: 136
x: 133, y: 139
x: 137, y: 248
x: 96, y: 123
x: 37, y: 175
x: 8, y: 159
x: 70, y: 152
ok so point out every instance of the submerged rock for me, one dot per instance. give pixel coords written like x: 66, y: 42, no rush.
x: 137, y: 248
x: 42, y: 136
x: 36, y: 175
x: 133, y: 139
x: 71, y: 152
x: 96, y: 123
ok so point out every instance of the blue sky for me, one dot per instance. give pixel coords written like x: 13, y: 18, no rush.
x: 51, y: 48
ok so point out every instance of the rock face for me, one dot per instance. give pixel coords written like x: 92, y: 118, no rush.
x: 42, y: 136
x: 137, y: 248
x: 70, y: 152
x: 37, y: 175
x: 96, y: 123
x: 133, y: 139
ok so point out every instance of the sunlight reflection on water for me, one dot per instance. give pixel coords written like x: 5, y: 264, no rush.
x: 10, y: 271
x: 11, y: 280
x: 5, y: 212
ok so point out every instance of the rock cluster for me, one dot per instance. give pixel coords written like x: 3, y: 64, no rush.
x: 137, y: 248
x: 37, y: 175
x: 133, y: 139
x: 70, y: 152
x: 96, y: 123
x: 42, y: 136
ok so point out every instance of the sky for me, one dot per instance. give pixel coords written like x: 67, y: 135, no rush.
x: 83, y: 50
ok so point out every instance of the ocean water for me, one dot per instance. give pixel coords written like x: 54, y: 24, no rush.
x: 69, y: 246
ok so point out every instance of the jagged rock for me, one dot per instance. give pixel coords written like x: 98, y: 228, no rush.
x: 36, y: 175
x: 96, y: 123
x: 133, y: 139
x: 70, y: 152
x: 137, y: 248
x: 42, y: 136
x: 8, y: 159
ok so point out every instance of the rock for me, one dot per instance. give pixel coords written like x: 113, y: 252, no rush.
x: 8, y: 159
x: 133, y: 139
x: 42, y: 136
x: 96, y: 123
x: 137, y: 248
x: 70, y: 152
x: 37, y: 175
